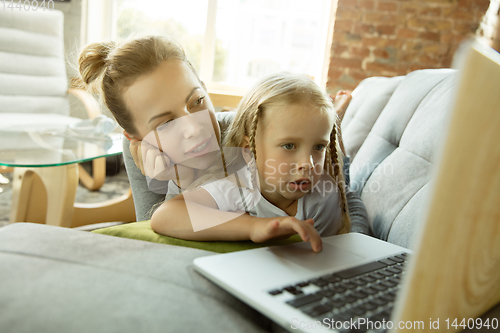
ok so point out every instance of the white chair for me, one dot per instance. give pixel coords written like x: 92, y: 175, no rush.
x: 33, y: 73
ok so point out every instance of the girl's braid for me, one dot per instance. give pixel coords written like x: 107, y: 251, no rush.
x: 253, y: 130
x: 339, y: 178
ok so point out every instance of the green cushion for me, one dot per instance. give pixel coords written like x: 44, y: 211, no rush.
x: 142, y: 231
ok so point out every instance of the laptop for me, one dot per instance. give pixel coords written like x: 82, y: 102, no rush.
x: 359, y: 283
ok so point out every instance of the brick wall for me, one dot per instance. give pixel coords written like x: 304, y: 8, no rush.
x: 389, y: 38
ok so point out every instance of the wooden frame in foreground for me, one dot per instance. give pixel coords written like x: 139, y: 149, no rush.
x: 463, y: 221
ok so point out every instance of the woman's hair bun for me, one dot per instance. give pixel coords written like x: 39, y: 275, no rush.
x: 93, y: 60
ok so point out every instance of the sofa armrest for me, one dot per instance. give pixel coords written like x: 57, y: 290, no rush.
x: 391, y: 132
x: 368, y: 100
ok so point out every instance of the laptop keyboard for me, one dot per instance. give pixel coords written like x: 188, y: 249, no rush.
x: 366, y: 291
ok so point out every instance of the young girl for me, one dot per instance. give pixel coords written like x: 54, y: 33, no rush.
x: 288, y: 124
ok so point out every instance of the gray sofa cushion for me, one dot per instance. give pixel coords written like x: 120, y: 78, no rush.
x: 61, y: 280
x: 393, y: 128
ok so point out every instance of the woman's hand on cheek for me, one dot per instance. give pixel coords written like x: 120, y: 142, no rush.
x: 153, y: 163
x: 156, y: 164
x: 135, y: 150
x: 284, y: 227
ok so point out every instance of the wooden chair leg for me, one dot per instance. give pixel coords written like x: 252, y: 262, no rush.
x: 47, y: 195
x: 44, y: 195
x: 94, y: 182
x: 24, y: 198
x: 118, y: 209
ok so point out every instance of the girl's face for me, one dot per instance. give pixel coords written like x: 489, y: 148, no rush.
x: 171, y: 108
x: 291, y: 143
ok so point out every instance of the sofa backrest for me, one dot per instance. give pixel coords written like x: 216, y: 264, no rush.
x: 392, y: 131
x: 32, y: 66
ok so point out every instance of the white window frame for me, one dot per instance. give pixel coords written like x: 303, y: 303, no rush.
x: 98, y: 24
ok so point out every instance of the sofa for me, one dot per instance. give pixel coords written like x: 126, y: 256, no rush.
x: 55, y: 279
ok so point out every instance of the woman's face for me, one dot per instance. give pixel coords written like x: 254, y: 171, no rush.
x: 172, y: 111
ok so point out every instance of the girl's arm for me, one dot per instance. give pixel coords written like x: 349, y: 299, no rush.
x: 172, y: 219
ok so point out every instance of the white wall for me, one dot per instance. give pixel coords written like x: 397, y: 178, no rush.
x: 72, y: 45
x: 72, y: 25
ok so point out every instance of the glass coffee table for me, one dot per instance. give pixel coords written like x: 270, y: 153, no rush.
x: 44, y: 151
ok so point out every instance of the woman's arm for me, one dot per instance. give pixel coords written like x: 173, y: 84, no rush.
x: 144, y: 198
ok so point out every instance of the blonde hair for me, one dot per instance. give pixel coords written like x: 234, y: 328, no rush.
x: 109, y: 68
x: 285, y: 89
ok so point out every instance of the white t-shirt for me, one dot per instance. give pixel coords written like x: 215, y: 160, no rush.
x: 321, y: 204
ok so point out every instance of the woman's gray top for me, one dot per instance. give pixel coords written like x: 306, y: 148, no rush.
x: 145, y: 200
